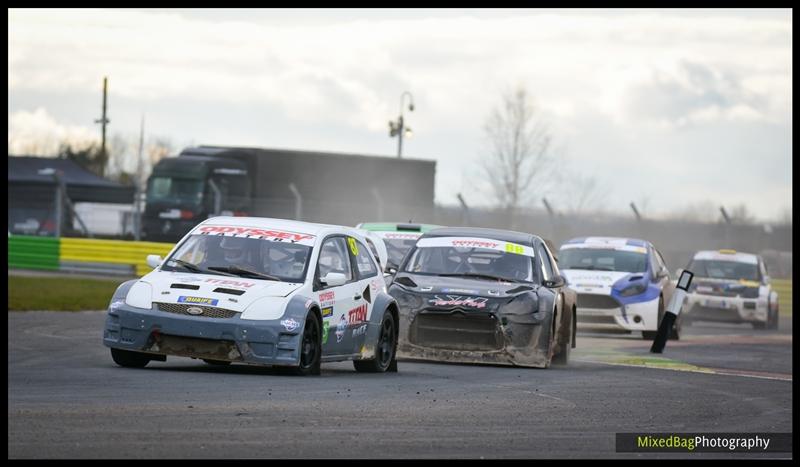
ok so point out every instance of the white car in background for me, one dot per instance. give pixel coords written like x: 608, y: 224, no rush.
x: 259, y: 291
x: 731, y: 286
x: 622, y: 283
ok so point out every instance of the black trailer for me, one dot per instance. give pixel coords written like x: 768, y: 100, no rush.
x: 312, y: 186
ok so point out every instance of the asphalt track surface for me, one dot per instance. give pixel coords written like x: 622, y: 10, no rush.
x: 67, y: 399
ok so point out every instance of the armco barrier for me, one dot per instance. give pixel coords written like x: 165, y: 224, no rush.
x: 89, y: 250
x: 29, y: 252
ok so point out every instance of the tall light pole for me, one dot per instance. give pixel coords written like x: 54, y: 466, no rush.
x: 398, y: 128
x: 103, y: 121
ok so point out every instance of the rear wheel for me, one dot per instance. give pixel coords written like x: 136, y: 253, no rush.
x: 129, y: 359
x: 310, y: 349
x: 385, y: 349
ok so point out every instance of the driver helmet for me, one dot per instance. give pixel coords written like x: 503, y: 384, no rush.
x: 233, y: 249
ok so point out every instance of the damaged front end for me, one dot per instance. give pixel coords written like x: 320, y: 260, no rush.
x: 511, y: 328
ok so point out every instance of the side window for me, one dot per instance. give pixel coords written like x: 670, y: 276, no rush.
x: 654, y: 266
x: 547, y: 268
x: 364, y: 263
x: 333, y: 257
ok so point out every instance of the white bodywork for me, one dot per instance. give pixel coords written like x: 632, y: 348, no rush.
x: 747, y: 309
x: 261, y: 299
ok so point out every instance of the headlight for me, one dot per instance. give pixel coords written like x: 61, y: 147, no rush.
x: 409, y: 300
x: 635, y: 289
x: 140, y: 296
x: 266, y: 308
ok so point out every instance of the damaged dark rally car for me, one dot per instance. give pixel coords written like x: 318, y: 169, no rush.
x: 475, y: 295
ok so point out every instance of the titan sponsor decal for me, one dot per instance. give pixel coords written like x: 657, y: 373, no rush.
x: 457, y: 300
x: 357, y: 315
x: 275, y: 235
x: 290, y: 324
x: 231, y: 283
x: 327, y: 298
x: 327, y: 312
x: 360, y: 331
x: 198, y: 300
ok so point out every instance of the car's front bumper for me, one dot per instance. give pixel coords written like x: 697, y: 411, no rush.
x: 615, y: 316
x: 230, y: 339
x: 702, y: 307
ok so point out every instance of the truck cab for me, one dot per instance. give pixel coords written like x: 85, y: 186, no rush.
x: 184, y: 191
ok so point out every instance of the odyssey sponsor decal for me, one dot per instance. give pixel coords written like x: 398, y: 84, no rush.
x: 327, y: 298
x: 198, y: 300
x: 605, y: 246
x: 230, y: 282
x: 469, y: 242
x: 399, y: 236
x: 466, y: 291
x: 457, y: 300
x: 327, y: 312
x: 290, y: 324
x: 267, y: 234
x: 359, y: 331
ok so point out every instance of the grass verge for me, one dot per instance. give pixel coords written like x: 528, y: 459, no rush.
x: 59, y: 293
x: 784, y: 289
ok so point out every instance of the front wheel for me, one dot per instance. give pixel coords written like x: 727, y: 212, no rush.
x: 311, y: 349
x: 385, y: 349
x: 129, y: 359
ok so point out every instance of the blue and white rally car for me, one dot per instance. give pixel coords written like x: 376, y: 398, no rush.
x: 622, y: 283
x: 259, y: 291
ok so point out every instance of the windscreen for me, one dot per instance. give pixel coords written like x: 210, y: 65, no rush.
x: 602, y: 259
x: 719, y: 269
x: 245, y: 257
x: 454, y: 256
x: 175, y: 190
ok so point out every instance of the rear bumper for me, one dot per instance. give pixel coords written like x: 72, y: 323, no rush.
x: 700, y: 307
x: 230, y: 339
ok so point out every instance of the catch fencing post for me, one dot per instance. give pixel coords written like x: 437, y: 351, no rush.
x: 672, y: 311
x: 298, y: 207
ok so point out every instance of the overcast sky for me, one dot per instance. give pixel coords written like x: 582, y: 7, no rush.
x: 664, y: 108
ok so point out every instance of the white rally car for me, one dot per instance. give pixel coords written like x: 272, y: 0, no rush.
x: 622, y: 283
x: 731, y: 286
x: 259, y: 291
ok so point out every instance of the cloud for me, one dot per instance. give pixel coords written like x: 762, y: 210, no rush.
x: 37, y: 133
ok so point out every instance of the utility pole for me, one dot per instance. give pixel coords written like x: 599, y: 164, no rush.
x: 137, y: 215
x: 398, y: 128
x: 636, y: 212
x: 104, y: 121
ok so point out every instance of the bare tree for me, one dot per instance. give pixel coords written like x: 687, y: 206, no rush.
x: 520, y: 159
x: 741, y: 215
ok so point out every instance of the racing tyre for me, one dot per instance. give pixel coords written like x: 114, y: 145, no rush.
x: 310, y: 349
x: 759, y: 325
x: 129, y: 359
x: 217, y: 362
x: 385, y: 349
x: 564, y: 343
x: 773, y: 318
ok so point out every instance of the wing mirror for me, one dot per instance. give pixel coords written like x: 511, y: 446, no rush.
x: 154, y: 261
x: 334, y: 279
x: 555, y: 282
